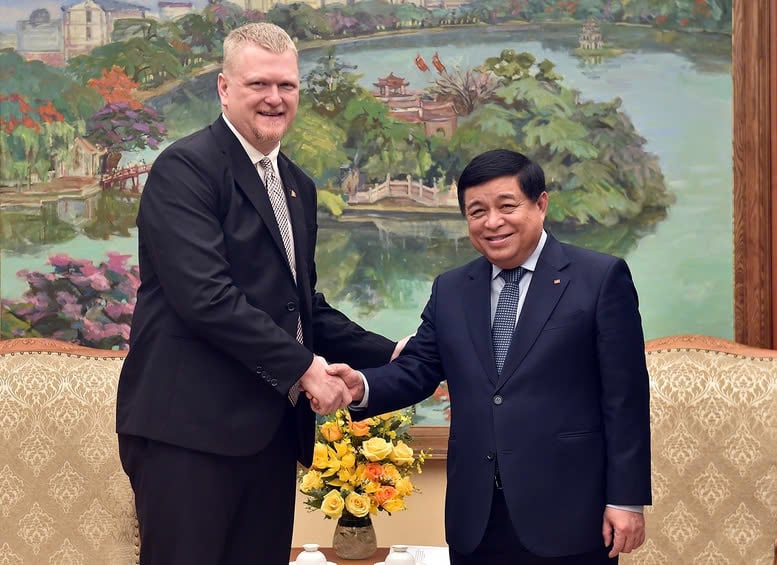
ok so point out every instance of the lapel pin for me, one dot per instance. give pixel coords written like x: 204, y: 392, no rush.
x: 293, y: 194
x: 556, y: 281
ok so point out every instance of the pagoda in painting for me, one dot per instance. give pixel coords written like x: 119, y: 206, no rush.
x: 590, y: 37
x: 438, y: 118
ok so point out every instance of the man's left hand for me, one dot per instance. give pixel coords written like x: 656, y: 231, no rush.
x: 623, y: 529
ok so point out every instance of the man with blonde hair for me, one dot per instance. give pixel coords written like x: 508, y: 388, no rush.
x: 229, y: 333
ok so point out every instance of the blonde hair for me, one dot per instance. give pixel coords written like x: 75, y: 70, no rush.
x: 265, y: 35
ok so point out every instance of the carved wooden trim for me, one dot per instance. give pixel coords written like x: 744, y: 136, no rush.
x: 706, y: 343
x: 773, y: 192
x: 752, y: 41
x: 431, y: 438
x: 42, y: 345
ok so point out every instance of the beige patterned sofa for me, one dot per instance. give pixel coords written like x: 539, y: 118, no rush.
x: 713, y: 411
x: 64, y: 499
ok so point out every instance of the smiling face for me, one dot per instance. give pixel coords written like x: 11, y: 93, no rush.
x: 504, y: 224
x: 259, y: 93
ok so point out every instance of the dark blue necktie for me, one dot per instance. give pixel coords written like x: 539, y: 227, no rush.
x: 504, y: 320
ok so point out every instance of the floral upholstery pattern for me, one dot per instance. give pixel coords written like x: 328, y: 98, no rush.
x: 714, y: 445
x: 64, y: 498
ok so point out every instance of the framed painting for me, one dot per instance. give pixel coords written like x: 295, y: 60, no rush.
x: 613, y: 97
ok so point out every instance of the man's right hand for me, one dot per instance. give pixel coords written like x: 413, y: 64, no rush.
x: 327, y: 393
x: 352, y: 378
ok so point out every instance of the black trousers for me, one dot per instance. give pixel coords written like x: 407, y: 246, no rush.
x: 501, y: 546
x: 197, y: 508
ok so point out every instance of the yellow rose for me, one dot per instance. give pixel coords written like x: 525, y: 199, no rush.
x: 357, y: 504
x: 342, y: 448
x: 333, y: 504
x: 320, y: 456
x: 391, y: 472
x: 311, y: 481
x: 404, y: 486
x: 331, y: 431
x: 388, y: 416
x: 394, y: 505
x: 377, y: 448
x: 402, y: 454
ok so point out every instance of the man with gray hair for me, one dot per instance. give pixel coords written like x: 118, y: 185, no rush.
x: 229, y: 333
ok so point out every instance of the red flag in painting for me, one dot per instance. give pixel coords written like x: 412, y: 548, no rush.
x: 421, y: 64
x: 437, y: 63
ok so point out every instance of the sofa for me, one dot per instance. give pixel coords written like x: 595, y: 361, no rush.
x: 64, y: 499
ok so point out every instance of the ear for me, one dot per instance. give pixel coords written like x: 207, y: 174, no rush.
x: 222, y: 88
x: 542, y: 202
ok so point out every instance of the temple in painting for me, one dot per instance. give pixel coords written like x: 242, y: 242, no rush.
x: 590, y: 37
x: 437, y: 117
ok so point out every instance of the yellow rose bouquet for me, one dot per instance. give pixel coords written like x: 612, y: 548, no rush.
x: 360, y: 468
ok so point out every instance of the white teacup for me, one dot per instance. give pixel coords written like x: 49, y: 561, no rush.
x: 399, y: 555
x: 310, y: 555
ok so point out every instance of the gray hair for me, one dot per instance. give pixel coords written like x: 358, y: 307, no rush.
x: 265, y: 35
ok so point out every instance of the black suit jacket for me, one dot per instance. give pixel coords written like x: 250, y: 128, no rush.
x: 568, y: 418
x: 212, y: 348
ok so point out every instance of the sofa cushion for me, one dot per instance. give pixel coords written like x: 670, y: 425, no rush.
x: 64, y: 498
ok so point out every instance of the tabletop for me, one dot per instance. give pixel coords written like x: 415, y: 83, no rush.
x: 379, y: 555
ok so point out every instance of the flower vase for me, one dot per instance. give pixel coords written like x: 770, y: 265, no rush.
x: 354, y: 537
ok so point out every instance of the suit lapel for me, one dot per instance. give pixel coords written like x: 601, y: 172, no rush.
x: 477, y: 305
x: 548, y: 284
x: 250, y: 183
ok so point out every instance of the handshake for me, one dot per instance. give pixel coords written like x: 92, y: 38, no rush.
x: 335, y: 386
x: 331, y: 387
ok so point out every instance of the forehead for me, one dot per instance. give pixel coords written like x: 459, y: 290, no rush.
x: 499, y: 188
x: 254, y: 61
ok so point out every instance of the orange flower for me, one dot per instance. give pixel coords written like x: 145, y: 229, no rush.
x: 384, y: 494
x: 331, y: 431
x: 360, y: 429
x: 373, y: 471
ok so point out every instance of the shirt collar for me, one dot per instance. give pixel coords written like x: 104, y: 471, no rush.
x: 531, y: 261
x: 253, y: 153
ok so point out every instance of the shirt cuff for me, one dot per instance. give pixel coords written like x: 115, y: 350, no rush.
x: 366, y: 398
x: 637, y: 509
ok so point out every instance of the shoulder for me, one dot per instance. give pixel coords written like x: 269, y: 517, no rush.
x: 467, y: 271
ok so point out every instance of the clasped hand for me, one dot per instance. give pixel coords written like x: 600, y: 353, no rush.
x: 331, y: 387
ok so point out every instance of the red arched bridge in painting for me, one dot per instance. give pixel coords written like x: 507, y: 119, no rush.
x: 125, y: 176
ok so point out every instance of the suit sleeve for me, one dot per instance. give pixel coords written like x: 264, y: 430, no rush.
x: 625, y: 389
x: 184, y: 240
x: 414, y: 375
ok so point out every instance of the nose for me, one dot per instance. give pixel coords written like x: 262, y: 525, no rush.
x: 493, y: 219
x: 272, y: 95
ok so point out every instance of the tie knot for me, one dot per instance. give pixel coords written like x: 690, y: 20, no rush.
x: 266, y: 163
x: 512, y: 275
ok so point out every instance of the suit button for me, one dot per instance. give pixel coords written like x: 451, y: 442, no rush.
x: 490, y: 457
x: 274, y: 382
x: 498, y: 399
x: 290, y: 306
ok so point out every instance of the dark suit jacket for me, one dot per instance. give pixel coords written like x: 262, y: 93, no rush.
x: 568, y: 419
x: 212, y: 349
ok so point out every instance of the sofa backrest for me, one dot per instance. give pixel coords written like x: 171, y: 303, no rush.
x: 64, y: 498
x: 713, y: 411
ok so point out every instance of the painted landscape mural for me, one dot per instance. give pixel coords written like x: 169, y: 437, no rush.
x: 625, y: 103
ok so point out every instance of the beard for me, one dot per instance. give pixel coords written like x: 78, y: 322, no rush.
x: 266, y: 136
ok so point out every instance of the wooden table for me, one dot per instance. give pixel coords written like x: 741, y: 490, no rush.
x: 380, y: 555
